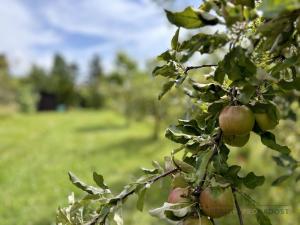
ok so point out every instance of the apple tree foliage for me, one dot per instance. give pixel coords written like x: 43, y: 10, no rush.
x: 260, y: 70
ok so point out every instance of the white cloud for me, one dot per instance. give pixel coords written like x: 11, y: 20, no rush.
x: 19, y: 33
x: 139, y: 28
x: 33, y: 33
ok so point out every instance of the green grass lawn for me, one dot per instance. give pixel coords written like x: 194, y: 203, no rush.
x: 37, y: 151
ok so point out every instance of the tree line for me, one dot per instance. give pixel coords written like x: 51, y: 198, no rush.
x: 127, y: 88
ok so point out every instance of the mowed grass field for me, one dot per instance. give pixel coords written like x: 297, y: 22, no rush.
x: 37, y: 151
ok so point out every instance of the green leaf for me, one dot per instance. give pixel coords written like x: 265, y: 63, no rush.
x: 166, y: 88
x: 268, y: 139
x: 220, y: 73
x: 252, y: 181
x: 237, y: 65
x: 298, y: 178
x: 231, y: 175
x: 171, y: 70
x: 233, y: 170
x: 99, y: 180
x: 62, y: 216
x: 191, y: 18
x: 248, y: 3
x: 280, y: 180
x: 232, y: 14
x: 262, y: 218
x: 177, y: 137
x: 166, y: 56
x: 216, y: 107
x: 130, y: 188
x: 202, y: 167
x: 174, y: 42
x: 150, y: 171
x: 214, y: 88
x: 171, y: 216
x: 279, y: 161
x: 220, y: 160
x: 287, y: 63
x: 185, y: 167
x: 103, y: 214
x: 290, y: 85
x: 209, y: 92
x: 89, y: 189
x: 157, y: 166
x: 203, y: 43
x: 178, y: 210
x: 246, y: 94
x: 141, y: 198
x: 189, y: 127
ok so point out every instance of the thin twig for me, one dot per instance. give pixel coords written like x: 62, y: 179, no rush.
x: 187, y: 69
x: 238, y: 209
x: 152, y: 181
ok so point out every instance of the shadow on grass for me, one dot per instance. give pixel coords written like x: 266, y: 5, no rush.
x: 133, y: 143
x: 129, y: 145
x: 102, y: 127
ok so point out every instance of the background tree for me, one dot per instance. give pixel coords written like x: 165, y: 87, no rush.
x: 122, y: 78
x: 39, y: 78
x: 62, y: 78
x: 7, y: 85
x: 93, y: 91
x: 96, y: 70
x: 4, y: 66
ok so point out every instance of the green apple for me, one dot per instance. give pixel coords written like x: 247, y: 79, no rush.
x: 236, y: 140
x: 265, y: 122
x: 236, y: 120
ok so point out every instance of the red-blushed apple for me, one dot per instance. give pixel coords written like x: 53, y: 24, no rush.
x: 178, y: 195
x: 216, y: 203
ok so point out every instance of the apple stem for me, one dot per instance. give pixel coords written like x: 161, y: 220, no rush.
x: 233, y: 96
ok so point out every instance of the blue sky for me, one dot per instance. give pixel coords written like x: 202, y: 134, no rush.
x: 33, y: 30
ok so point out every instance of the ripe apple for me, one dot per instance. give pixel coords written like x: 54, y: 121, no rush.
x: 236, y: 120
x: 196, y: 221
x: 218, y: 203
x: 236, y: 140
x: 265, y: 122
x: 178, y: 195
